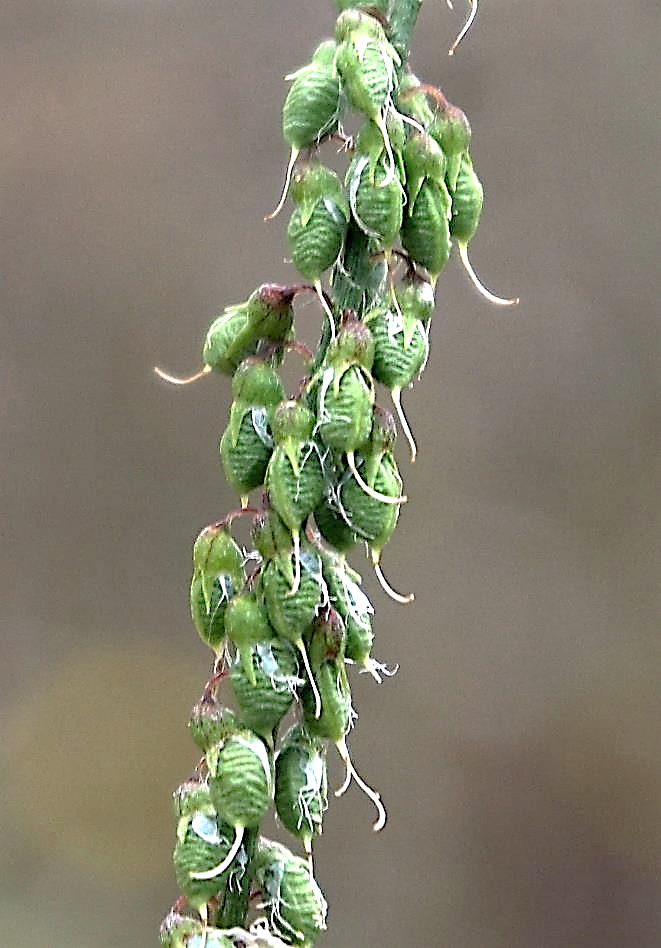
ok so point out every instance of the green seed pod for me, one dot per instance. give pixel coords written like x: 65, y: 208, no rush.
x: 425, y: 233
x: 275, y: 670
x: 452, y: 131
x: 295, y: 474
x: 255, y: 384
x: 246, y: 457
x: 241, y: 780
x: 348, y: 599
x: 311, y: 108
x: 376, y: 204
x: 467, y: 199
x: 182, y: 931
x: 189, y: 798
x: 246, y: 623
x: 412, y: 100
x: 292, y: 611
x: 294, y: 903
x: 270, y: 312
x: 396, y: 363
x: 273, y: 541
x: 327, y: 650
x: 217, y: 575
x: 372, y: 519
x: 301, y: 785
x: 318, y: 225
x: 203, y: 841
x: 423, y: 158
x: 228, y: 341
x: 210, y: 722
x: 332, y: 525
x: 415, y: 299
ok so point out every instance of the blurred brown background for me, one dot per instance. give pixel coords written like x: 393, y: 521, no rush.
x: 518, y: 749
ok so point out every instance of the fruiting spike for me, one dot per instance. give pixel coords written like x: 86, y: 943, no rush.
x: 295, y: 152
x: 174, y: 380
x: 466, y: 27
x: 384, y: 498
x: 387, y: 588
x: 352, y: 773
x: 227, y: 861
x: 396, y: 395
x: 498, y: 300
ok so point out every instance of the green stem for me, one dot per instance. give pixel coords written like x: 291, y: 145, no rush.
x: 402, y: 22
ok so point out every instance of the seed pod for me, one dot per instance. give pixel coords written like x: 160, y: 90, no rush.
x: 228, y: 341
x: 264, y: 703
x: 210, y: 722
x: 301, y: 786
x: 241, y: 785
x: 412, y: 100
x: 182, y: 931
x: 294, y: 903
x: 376, y: 205
x: 452, y: 131
x: 345, y: 395
x: 255, y: 384
x: 318, y: 225
x: 348, y: 599
x: 292, y: 612
x: 295, y: 474
x: 415, y: 301
x: 246, y: 459
x: 203, y: 841
x: 396, y: 363
x: 270, y: 312
x: 327, y: 650
x: 217, y: 575
x: 367, y: 65
x: 423, y: 158
x: 273, y: 541
x: 467, y: 201
x: 425, y: 233
x: 311, y: 107
x: 370, y: 518
x: 246, y: 623
x: 332, y: 525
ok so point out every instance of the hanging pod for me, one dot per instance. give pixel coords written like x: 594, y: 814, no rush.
x: 264, y: 703
x: 318, y: 225
x: 210, y: 722
x: 345, y: 393
x: 332, y: 526
x: 397, y: 362
x: 295, y: 474
x: 273, y: 540
x: 246, y: 623
x: 467, y: 199
x: 425, y: 233
x: 217, y: 575
x: 294, y: 904
x: 376, y: 207
x: 266, y: 316
x: 371, y: 519
x: 451, y: 129
x: 203, y: 839
x: 241, y: 787
x: 423, y: 158
x: 327, y: 652
x: 367, y: 64
x: 301, y: 785
x: 415, y: 301
x: 292, y: 611
x: 348, y: 599
x: 311, y: 108
x: 246, y: 444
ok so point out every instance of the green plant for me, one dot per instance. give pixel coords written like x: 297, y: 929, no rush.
x: 286, y: 619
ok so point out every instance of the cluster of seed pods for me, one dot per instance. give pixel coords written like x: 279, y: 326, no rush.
x: 316, y: 475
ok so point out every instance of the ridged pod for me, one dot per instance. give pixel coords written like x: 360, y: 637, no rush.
x: 292, y: 614
x: 301, y: 786
x: 425, y: 233
x: 246, y: 456
x: 275, y: 670
x: 396, y: 364
x: 467, y: 199
x: 246, y: 624
x: 312, y: 104
x: 332, y: 525
x: 241, y: 779
x: 377, y: 207
x: 371, y: 519
x: 344, y: 409
x: 294, y: 904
